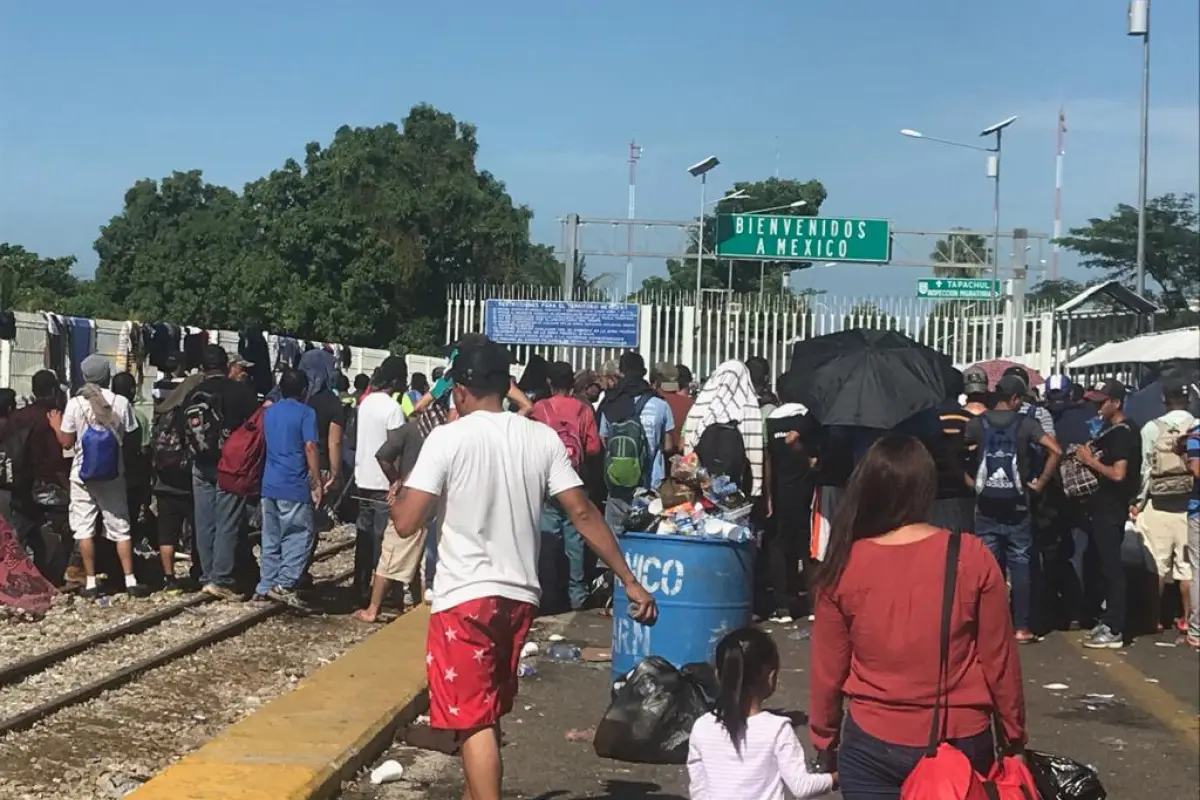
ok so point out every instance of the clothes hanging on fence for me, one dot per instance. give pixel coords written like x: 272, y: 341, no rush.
x: 289, y: 353
x: 55, y: 356
x: 8, y: 326
x: 194, y: 342
x: 344, y: 356
x: 252, y: 344
x: 163, y: 342
x: 131, y: 348
x: 80, y: 344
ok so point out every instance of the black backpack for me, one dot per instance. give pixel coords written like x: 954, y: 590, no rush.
x: 722, y: 452
x: 15, y: 467
x: 202, y: 425
x: 171, y: 454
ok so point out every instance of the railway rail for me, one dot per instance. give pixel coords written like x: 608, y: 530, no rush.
x: 19, y: 671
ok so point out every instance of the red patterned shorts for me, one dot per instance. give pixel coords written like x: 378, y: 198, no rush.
x: 473, y: 650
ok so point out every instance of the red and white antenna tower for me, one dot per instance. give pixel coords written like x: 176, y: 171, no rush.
x: 1058, y: 178
x: 635, y: 152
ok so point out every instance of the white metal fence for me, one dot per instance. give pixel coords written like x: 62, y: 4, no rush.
x: 672, y: 328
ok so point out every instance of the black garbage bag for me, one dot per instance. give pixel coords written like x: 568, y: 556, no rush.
x: 650, y: 718
x: 1061, y: 778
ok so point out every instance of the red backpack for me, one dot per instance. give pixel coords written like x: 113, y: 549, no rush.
x: 243, y: 456
x: 945, y: 772
x: 565, y: 424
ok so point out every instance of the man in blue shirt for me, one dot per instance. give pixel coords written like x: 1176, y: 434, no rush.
x: 291, y: 490
x: 632, y: 396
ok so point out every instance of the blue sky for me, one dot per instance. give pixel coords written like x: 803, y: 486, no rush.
x: 98, y: 95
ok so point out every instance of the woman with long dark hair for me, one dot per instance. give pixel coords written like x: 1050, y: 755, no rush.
x: 878, y: 628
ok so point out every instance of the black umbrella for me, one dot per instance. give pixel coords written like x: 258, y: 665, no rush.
x: 867, y: 378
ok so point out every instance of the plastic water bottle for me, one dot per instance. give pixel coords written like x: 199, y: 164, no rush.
x: 561, y: 651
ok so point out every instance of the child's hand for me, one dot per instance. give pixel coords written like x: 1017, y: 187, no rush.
x: 836, y: 780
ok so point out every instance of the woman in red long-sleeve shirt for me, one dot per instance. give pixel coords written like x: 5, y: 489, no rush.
x: 878, y: 625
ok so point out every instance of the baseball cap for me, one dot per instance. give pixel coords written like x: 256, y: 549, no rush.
x: 1058, y: 383
x: 478, y: 362
x: 975, y: 381
x: 1011, y: 386
x: 667, y: 375
x: 214, y: 358
x: 1106, y: 390
x: 239, y: 360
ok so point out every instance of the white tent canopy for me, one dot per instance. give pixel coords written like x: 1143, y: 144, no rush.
x: 1149, y: 348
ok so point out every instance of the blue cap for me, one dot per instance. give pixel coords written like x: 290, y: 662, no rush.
x: 1058, y: 383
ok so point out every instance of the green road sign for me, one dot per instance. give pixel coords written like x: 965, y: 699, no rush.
x: 765, y: 237
x: 958, y: 288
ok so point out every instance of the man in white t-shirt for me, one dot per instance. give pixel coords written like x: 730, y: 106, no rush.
x: 378, y: 412
x: 93, y: 427
x: 490, y: 472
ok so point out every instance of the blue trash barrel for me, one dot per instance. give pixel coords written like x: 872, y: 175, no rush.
x: 704, y: 589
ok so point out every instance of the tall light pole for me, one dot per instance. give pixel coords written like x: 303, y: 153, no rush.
x: 1139, y: 25
x: 993, y: 172
x: 701, y: 170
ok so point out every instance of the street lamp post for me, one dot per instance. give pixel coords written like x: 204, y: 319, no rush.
x: 1139, y: 25
x: 700, y: 170
x: 993, y: 173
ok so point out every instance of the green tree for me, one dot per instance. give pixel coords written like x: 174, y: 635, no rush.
x: 357, y: 243
x: 1055, y: 292
x: 961, y: 248
x: 29, y: 282
x: 782, y: 194
x: 544, y: 269
x: 1172, y: 244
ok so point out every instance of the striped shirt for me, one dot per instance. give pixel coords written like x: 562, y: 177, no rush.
x: 770, y: 759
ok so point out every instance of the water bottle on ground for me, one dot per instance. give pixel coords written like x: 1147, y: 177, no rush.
x: 561, y: 651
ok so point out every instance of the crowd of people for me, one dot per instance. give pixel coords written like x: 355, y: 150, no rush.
x: 499, y: 514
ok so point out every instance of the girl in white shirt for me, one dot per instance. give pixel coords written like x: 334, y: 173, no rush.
x: 740, y: 752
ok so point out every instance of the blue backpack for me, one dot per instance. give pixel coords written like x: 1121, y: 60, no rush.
x: 999, y: 475
x: 99, y: 453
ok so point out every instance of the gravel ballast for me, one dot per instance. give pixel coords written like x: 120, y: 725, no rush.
x: 108, y: 746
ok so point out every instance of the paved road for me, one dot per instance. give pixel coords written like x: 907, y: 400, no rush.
x: 1144, y: 740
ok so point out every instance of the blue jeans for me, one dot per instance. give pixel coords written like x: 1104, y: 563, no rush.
x: 1012, y: 545
x: 368, y: 542
x: 287, y: 535
x: 556, y: 524
x: 220, y: 519
x: 872, y: 769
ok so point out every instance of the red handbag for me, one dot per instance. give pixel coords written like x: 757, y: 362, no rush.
x: 945, y: 772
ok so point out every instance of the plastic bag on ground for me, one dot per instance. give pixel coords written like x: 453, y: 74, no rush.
x: 1061, y: 778
x: 650, y: 718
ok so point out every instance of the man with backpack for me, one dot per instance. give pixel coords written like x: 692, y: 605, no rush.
x: 216, y: 408
x: 1003, y: 482
x: 638, y: 432
x: 93, y: 427
x: 1161, y: 510
x: 575, y: 423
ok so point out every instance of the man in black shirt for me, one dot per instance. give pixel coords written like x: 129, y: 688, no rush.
x: 792, y: 436
x: 954, y: 508
x: 220, y: 517
x: 1115, y: 457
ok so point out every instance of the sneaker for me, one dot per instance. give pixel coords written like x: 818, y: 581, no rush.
x: 288, y: 598
x: 90, y: 594
x: 171, y: 586
x: 1025, y: 637
x: 1104, y: 639
x: 143, y: 549
x: 223, y: 593
x: 138, y: 590
x: 782, y: 617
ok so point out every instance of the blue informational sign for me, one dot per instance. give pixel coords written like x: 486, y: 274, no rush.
x: 555, y: 322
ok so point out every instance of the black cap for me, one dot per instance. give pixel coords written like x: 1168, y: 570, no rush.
x: 214, y: 358
x: 1019, y: 371
x: 1011, y: 386
x: 1108, y: 390
x: 479, y: 364
x: 393, y: 370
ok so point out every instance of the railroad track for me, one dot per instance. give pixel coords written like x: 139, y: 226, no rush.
x: 19, y: 671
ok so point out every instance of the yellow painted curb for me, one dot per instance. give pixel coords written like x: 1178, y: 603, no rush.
x: 303, y: 744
